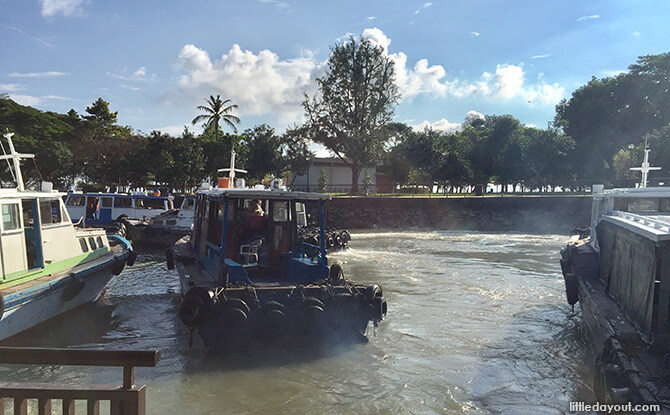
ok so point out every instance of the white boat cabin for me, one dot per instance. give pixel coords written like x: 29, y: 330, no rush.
x: 101, y: 208
x: 37, y: 235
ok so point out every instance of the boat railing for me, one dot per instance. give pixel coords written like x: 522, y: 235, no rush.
x: 125, y: 399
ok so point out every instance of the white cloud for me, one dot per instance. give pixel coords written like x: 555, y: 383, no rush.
x: 262, y: 83
x: 10, y: 87
x: 614, y: 72
x: 439, y: 125
x: 371, y: 18
x: 425, y: 6
x: 173, y: 130
x: 276, y: 3
x: 474, y: 34
x: 25, y: 99
x: 38, y: 75
x: 592, y: 17
x: 66, y: 7
x: 140, y: 75
x: 636, y: 34
x: 258, y: 83
x: 546, y: 55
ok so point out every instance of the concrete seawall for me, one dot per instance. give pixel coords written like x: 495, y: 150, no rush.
x: 528, y: 214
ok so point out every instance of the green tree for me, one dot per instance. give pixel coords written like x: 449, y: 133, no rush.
x: 216, y: 111
x: 322, y: 181
x: 356, y: 99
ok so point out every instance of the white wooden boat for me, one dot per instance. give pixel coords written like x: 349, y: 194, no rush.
x: 47, y: 265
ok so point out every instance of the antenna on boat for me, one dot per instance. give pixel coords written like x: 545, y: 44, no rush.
x: 645, y: 168
x: 13, y: 155
x: 231, y: 171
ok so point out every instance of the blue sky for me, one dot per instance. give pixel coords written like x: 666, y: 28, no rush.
x: 155, y: 61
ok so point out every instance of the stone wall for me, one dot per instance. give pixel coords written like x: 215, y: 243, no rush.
x: 528, y: 214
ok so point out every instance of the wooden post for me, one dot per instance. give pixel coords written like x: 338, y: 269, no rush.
x: 92, y: 407
x: 20, y: 405
x: 68, y: 406
x: 43, y: 407
x: 128, y: 377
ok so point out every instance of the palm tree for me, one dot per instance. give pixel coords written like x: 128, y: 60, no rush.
x: 215, y: 111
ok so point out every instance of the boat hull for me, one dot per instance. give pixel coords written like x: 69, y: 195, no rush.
x: 41, y: 302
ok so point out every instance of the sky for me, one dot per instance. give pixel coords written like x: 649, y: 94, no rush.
x: 156, y: 61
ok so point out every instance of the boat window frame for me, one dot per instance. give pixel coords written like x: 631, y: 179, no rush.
x: 51, y: 224
x: 119, y: 199
x: 81, y: 197
x: 18, y: 218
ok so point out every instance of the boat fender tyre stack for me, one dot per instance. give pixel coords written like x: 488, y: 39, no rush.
x: 2, y: 306
x: 169, y: 258
x: 237, y: 313
x: 373, y: 293
x: 274, y: 315
x: 336, y: 274
x: 571, y: 290
x: 195, y: 306
x: 313, y: 311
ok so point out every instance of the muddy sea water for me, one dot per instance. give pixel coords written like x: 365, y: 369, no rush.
x: 477, y: 324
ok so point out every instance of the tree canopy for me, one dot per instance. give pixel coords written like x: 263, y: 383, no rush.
x: 356, y: 99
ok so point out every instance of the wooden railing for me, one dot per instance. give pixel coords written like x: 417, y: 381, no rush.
x: 127, y: 399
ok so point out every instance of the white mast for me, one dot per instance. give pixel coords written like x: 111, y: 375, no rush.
x: 645, y: 168
x: 16, y: 157
x: 231, y: 171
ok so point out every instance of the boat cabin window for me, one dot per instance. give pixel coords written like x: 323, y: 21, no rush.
x: 107, y: 202
x: 150, y: 204
x: 10, y: 217
x: 84, y: 245
x: 91, y: 242
x: 215, y: 223
x: 280, y: 211
x: 50, y: 212
x: 75, y: 200
x: 123, y: 202
x: 188, y: 204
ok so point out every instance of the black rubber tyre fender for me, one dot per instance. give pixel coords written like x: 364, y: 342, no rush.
x: 118, y: 267
x: 74, y: 287
x: 271, y: 306
x: 566, y: 266
x: 330, y: 242
x: 2, y: 306
x: 235, y: 317
x: 336, y: 274
x: 571, y: 288
x: 313, y: 302
x: 131, y: 258
x: 373, y: 292
x: 169, y: 258
x: 346, y: 236
x: 195, y: 306
x: 239, y: 304
x: 381, y: 308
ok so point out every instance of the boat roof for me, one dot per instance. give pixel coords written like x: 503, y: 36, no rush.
x: 220, y: 193
x: 134, y: 196
x: 12, y: 193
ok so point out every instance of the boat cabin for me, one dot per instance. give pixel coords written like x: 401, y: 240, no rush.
x: 102, y: 208
x: 37, y: 236
x: 245, y: 235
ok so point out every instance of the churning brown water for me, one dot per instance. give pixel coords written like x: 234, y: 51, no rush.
x: 477, y: 324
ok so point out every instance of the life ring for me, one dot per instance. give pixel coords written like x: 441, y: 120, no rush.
x: 169, y: 258
x: 571, y: 288
x: 336, y: 274
x: 2, y: 306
